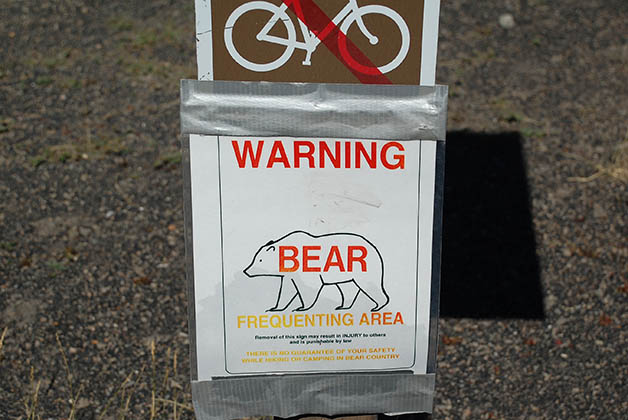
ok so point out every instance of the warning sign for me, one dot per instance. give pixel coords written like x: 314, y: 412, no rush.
x: 310, y: 248
x: 352, y: 41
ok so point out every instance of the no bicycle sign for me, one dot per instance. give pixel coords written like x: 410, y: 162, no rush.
x: 313, y: 209
x: 357, y: 41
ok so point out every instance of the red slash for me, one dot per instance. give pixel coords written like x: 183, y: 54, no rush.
x: 321, y: 25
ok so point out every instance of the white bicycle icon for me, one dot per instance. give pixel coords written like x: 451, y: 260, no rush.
x: 348, y: 15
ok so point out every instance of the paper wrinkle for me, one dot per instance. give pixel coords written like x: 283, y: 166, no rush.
x: 391, y: 112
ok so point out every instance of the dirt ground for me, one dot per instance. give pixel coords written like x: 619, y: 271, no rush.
x: 93, y: 315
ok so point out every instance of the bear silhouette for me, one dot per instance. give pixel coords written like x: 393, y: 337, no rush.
x: 306, y: 263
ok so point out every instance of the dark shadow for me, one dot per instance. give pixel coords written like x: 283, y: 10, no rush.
x: 489, y: 264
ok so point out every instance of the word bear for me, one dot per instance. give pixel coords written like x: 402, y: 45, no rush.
x: 289, y: 258
x: 306, y: 263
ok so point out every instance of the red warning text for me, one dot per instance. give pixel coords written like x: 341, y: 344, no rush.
x: 319, y: 154
x: 310, y: 259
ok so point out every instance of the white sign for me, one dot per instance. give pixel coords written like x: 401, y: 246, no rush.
x: 311, y: 255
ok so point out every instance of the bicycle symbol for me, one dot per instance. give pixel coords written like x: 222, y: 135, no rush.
x: 348, y: 15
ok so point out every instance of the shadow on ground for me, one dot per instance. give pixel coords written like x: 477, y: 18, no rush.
x: 490, y: 267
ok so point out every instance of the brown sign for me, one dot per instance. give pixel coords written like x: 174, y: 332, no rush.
x: 357, y: 41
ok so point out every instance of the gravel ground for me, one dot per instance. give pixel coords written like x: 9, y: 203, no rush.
x: 92, y: 291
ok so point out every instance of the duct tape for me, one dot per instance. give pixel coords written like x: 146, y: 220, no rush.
x: 264, y: 109
x: 292, y: 395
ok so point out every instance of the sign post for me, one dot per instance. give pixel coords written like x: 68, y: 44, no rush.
x: 313, y: 209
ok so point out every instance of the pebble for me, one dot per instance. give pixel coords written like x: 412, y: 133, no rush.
x: 23, y: 312
x: 599, y: 212
x: 507, y: 21
x: 82, y: 403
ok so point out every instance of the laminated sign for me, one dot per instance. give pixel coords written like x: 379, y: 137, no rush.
x: 313, y: 209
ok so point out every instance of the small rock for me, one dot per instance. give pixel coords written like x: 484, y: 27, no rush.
x: 599, y: 212
x: 45, y: 383
x: 175, y: 385
x: 47, y: 226
x: 555, y: 59
x: 73, y: 233
x: 601, y: 289
x: 466, y: 414
x: 507, y: 21
x: 24, y: 312
x: 83, y: 403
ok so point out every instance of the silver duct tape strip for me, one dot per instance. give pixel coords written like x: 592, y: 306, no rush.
x: 393, y: 112
x: 292, y: 395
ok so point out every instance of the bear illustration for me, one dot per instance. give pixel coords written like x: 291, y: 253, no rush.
x: 306, y: 263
